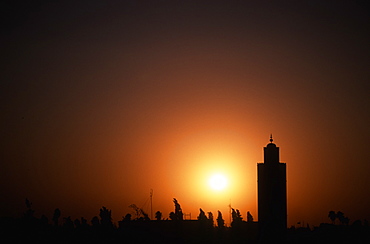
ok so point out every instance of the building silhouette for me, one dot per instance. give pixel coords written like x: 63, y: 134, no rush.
x: 272, y: 195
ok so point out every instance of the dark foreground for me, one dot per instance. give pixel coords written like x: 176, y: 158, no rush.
x: 169, y: 231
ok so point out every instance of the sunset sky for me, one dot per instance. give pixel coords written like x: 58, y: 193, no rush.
x: 102, y: 101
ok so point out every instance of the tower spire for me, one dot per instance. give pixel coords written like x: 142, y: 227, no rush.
x: 272, y: 195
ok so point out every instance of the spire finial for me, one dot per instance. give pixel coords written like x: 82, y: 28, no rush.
x: 271, y: 140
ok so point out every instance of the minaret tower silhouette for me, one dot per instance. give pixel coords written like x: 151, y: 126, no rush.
x: 272, y: 195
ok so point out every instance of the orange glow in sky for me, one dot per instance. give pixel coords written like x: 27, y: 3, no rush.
x: 102, y: 102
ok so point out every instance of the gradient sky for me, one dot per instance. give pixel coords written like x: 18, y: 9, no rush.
x: 102, y: 101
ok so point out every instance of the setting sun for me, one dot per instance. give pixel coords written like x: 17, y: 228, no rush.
x: 217, y: 182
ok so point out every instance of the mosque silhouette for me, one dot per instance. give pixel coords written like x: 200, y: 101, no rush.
x: 272, y: 194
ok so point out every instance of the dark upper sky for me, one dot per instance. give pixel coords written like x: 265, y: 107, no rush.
x: 102, y: 101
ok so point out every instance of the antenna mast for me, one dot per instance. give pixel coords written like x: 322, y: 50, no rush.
x: 151, y: 203
x: 230, y: 212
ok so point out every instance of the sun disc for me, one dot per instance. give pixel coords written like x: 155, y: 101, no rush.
x: 217, y: 182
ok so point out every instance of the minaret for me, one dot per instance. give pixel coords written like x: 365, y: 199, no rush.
x: 272, y: 195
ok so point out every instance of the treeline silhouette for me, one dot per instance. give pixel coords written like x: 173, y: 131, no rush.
x: 139, y: 228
